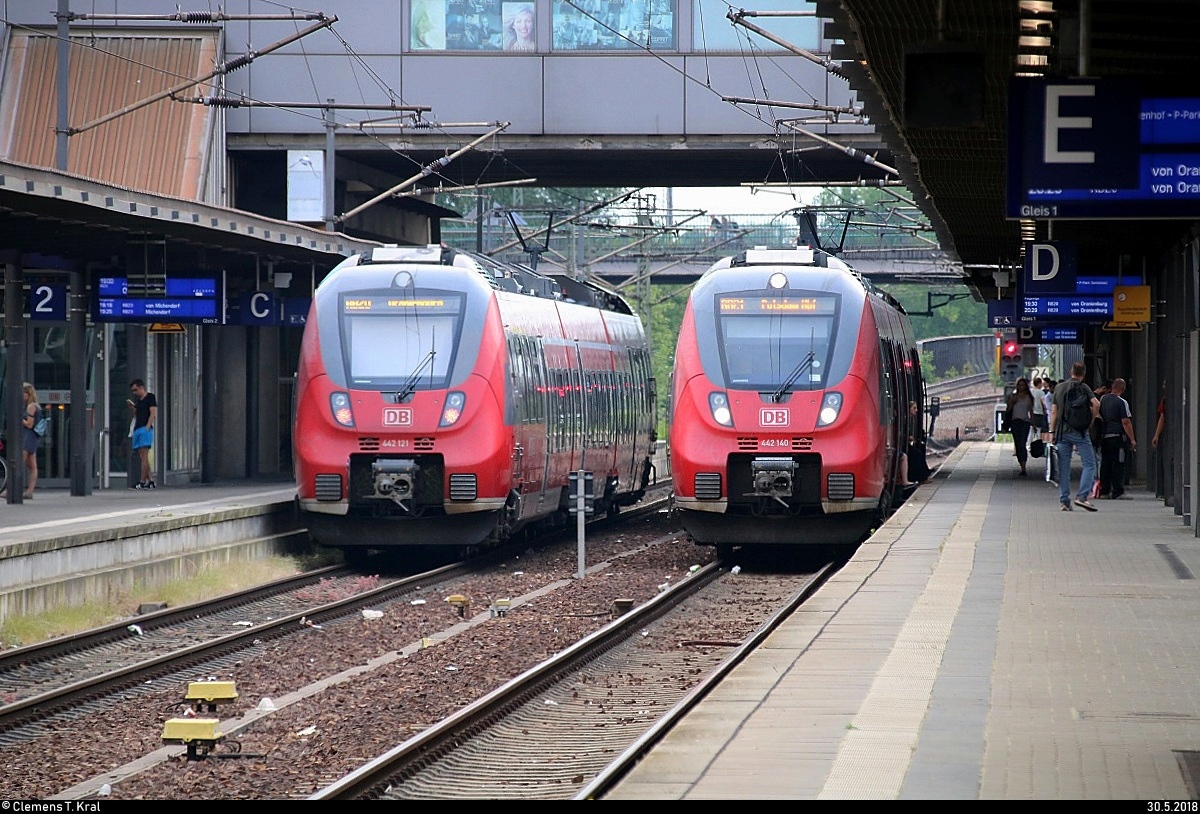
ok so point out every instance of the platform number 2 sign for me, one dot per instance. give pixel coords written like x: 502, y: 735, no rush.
x: 48, y: 302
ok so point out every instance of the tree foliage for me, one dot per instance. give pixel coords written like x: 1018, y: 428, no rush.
x: 958, y: 317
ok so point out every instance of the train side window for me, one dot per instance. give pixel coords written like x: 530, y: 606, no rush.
x: 885, y: 381
x: 579, y: 405
x: 515, y: 396
x: 563, y: 408
x: 610, y: 406
x: 539, y: 367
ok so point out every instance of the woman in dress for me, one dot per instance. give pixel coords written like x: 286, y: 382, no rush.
x: 29, y: 438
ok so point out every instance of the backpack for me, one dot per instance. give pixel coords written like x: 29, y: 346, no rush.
x: 1078, y: 415
x: 42, y: 425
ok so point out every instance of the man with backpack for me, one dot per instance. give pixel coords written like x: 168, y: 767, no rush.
x: 1073, y: 408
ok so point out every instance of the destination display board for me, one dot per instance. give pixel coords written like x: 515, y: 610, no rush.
x: 182, y: 300
x: 1103, y: 148
x: 392, y: 303
x: 753, y: 304
x: 1052, y: 289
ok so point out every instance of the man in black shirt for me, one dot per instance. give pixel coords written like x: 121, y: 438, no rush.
x: 145, y: 409
x: 1118, y: 428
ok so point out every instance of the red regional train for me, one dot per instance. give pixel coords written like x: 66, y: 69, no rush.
x: 790, y: 393
x: 444, y: 398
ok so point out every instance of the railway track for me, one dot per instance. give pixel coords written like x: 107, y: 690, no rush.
x: 115, y: 716
x: 44, y: 680
x: 39, y: 679
x: 576, y: 722
x: 961, y: 383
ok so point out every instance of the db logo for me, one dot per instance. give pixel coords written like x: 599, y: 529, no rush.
x: 775, y: 417
x: 397, y: 416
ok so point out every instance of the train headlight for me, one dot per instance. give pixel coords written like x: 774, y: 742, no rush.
x: 455, y: 401
x: 718, y: 403
x: 831, y: 406
x: 778, y: 280
x: 339, y: 404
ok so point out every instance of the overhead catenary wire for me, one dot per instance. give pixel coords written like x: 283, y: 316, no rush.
x: 220, y: 70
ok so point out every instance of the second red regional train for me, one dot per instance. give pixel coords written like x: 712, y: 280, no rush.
x: 444, y: 398
x: 790, y: 401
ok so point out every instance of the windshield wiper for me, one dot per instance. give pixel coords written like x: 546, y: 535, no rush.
x: 804, y: 365
x: 410, y: 384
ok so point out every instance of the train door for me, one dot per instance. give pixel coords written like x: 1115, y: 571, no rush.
x: 537, y: 458
x: 529, y: 426
x: 578, y: 410
x: 629, y: 411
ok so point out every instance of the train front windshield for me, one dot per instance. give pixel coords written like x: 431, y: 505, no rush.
x: 769, y: 340
x: 393, y: 341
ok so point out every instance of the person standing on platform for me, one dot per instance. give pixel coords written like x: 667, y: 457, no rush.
x: 1020, y: 407
x: 1068, y: 438
x: 1118, y: 427
x: 145, y: 410
x: 912, y: 460
x: 29, y: 439
x: 1039, y: 405
x: 1047, y: 397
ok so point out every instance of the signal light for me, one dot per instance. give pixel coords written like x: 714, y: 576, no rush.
x: 1011, y: 361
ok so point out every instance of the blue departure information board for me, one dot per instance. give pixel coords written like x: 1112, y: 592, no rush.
x: 1052, y: 287
x: 1120, y: 147
x: 185, y: 299
x: 191, y: 287
x: 1073, y: 306
x: 158, y: 309
x: 1051, y: 336
x: 112, y: 286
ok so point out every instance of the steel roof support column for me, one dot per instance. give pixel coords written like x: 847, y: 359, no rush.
x: 14, y: 348
x: 80, y: 434
x: 63, y: 76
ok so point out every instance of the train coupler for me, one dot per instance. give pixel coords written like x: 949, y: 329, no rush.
x: 773, y: 478
x: 394, y: 480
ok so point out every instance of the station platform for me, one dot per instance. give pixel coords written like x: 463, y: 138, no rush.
x: 983, y: 644
x: 58, y: 548
x: 56, y: 513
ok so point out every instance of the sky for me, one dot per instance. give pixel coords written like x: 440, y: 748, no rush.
x: 735, y: 200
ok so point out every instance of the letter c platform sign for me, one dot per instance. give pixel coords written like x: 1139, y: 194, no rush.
x: 259, y: 308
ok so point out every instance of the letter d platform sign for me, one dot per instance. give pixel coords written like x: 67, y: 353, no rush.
x: 1050, y: 268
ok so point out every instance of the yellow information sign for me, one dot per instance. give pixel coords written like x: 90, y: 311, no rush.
x: 1131, y: 303
x: 167, y: 328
